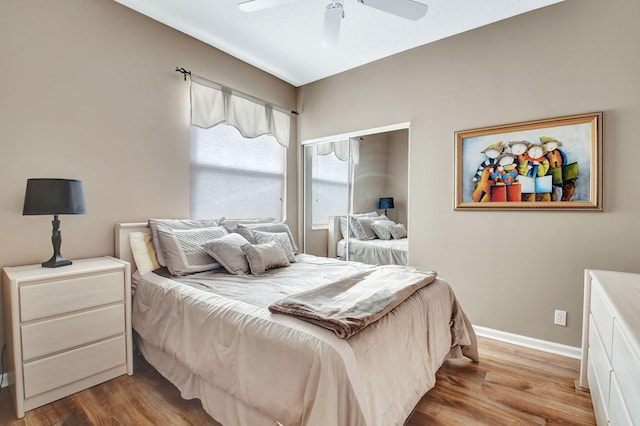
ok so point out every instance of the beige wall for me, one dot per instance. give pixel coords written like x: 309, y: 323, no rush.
x: 510, y: 269
x: 88, y: 90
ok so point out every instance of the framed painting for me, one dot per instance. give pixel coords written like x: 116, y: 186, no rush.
x: 544, y: 164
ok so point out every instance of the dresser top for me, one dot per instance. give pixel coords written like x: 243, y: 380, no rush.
x: 623, y: 291
x: 79, y: 266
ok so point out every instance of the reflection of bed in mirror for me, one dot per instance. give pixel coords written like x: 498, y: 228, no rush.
x: 373, y: 251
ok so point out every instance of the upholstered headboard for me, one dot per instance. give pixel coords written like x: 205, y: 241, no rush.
x: 123, y: 248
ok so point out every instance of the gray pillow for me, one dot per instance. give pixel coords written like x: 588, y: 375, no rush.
x: 398, y: 231
x: 227, y: 250
x: 343, y: 222
x: 263, y: 257
x: 176, y: 224
x: 182, y: 248
x: 246, y: 230
x: 361, y: 227
x: 382, y: 228
x: 280, y: 237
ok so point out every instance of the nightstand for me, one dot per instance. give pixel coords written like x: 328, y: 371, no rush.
x: 66, y: 328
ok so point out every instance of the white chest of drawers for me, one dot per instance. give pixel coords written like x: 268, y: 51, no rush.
x: 610, y: 365
x: 66, y: 328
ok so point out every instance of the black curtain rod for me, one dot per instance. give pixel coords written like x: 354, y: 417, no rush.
x: 185, y: 72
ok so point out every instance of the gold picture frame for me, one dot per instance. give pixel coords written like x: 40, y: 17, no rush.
x: 548, y: 164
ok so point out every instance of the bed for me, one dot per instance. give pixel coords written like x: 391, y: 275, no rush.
x: 372, y: 250
x: 250, y: 366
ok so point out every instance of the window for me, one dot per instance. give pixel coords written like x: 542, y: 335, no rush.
x: 234, y: 176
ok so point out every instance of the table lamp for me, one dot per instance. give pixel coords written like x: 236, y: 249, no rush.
x: 54, y: 197
x: 385, y: 203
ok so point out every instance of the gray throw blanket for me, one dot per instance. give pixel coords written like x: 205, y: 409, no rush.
x: 350, y: 304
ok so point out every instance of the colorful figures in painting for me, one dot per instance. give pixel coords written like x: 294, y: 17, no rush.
x: 484, y: 172
x: 564, y: 173
x: 524, y: 171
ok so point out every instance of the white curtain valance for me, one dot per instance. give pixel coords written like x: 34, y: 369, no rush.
x: 212, y: 104
x: 341, y: 149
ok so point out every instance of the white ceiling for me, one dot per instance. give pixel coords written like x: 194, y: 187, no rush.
x: 285, y: 40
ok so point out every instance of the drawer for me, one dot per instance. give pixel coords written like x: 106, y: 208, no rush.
x: 602, y: 316
x: 597, y: 400
x: 57, y: 334
x: 618, y: 412
x: 70, y: 294
x: 627, y: 367
x: 50, y: 373
x: 598, y: 358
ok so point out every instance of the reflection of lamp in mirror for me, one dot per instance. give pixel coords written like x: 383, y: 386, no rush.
x: 385, y: 203
x: 54, y: 197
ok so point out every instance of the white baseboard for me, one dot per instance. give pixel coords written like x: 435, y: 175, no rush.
x: 529, y: 342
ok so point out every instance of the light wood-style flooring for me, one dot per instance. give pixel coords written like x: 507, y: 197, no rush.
x: 511, y: 385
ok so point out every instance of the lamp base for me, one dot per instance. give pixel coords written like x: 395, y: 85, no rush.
x: 56, y: 261
x: 56, y: 240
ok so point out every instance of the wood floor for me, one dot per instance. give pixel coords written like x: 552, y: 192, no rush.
x: 510, y: 386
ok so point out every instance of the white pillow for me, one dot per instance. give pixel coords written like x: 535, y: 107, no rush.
x: 176, y: 224
x: 280, y: 237
x: 182, y: 248
x: 263, y: 257
x: 144, y: 253
x: 227, y: 250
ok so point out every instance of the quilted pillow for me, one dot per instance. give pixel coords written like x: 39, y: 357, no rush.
x: 183, y: 251
x: 280, y: 237
x: 247, y: 230
x: 227, y: 250
x: 176, y: 224
x: 263, y: 257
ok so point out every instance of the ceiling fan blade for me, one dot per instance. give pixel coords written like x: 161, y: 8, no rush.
x: 255, y: 5
x: 332, y: 19
x: 408, y: 9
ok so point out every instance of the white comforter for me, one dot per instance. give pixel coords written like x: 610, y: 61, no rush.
x: 272, y: 368
x: 375, y: 252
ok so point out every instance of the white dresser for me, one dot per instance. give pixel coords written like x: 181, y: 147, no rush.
x: 610, y: 365
x: 66, y: 328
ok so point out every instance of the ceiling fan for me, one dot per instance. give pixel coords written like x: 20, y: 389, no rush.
x: 334, y: 12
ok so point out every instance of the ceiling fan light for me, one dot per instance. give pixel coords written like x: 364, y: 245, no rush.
x: 331, y: 29
x: 407, y: 9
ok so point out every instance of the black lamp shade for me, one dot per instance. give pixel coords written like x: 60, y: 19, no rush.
x: 53, y: 196
x: 385, y: 203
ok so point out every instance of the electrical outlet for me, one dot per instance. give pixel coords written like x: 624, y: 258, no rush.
x: 560, y: 318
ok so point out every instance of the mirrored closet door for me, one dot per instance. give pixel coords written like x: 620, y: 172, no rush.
x: 356, y: 196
